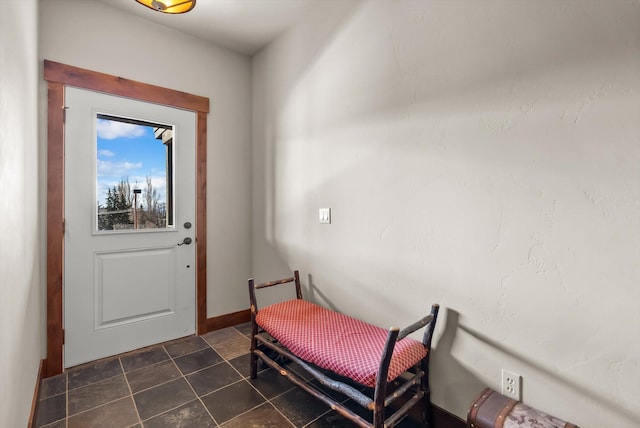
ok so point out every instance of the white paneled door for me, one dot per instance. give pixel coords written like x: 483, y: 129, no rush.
x: 129, y: 273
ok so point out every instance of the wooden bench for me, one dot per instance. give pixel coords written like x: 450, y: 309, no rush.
x: 383, y: 371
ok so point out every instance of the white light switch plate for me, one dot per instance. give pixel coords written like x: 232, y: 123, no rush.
x: 324, y: 215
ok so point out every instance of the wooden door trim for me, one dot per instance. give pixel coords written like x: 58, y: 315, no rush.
x: 58, y: 76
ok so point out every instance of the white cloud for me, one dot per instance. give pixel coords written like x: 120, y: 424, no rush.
x: 139, y: 181
x: 107, y: 168
x: 111, y: 129
x: 158, y: 182
x: 106, y: 153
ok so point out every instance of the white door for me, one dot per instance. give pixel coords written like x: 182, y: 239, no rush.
x: 129, y: 272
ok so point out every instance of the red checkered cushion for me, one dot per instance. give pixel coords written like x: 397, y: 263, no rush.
x: 337, y: 342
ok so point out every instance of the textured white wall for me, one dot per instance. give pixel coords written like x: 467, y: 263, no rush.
x: 483, y: 155
x: 94, y: 36
x: 20, y: 288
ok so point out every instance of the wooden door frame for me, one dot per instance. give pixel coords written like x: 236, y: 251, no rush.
x: 58, y: 76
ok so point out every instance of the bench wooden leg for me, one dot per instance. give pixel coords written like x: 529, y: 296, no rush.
x: 253, y: 369
x: 253, y: 364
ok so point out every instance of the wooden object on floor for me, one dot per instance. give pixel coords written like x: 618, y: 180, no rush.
x: 494, y: 410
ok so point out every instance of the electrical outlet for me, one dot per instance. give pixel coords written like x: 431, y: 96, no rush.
x: 512, y: 385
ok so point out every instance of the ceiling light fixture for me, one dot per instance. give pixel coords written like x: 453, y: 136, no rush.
x: 169, y: 6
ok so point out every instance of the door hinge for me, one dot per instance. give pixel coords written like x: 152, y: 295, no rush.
x: 64, y: 114
x: 64, y: 226
x: 63, y: 331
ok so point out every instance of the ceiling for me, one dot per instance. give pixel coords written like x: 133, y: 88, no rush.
x: 244, y: 26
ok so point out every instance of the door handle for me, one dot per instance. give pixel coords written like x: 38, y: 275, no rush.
x: 186, y: 241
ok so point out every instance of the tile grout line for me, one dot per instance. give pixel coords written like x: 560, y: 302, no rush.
x: 90, y: 383
x: 124, y: 373
x: 171, y: 358
x: 100, y: 405
x: 194, y: 391
x: 270, y: 401
x: 202, y: 369
x: 318, y: 418
x: 41, y: 399
x: 168, y: 360
x: 66, y: 400
x: 259, y: 405
x: 227, y: 360
x: 93, y: 384
x: 292, y: 388
x: 242, y: 378
x: 126, y: 380
x: 96, y: 407
x: 248, y: 380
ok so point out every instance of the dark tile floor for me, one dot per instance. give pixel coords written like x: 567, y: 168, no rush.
x: 192, y: 382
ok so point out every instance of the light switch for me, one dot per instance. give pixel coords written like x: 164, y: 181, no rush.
x: 324, y: 215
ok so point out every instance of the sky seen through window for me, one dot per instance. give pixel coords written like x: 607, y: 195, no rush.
x: 126, y: 150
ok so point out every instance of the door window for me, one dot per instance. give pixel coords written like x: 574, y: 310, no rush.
x: 134, y: 175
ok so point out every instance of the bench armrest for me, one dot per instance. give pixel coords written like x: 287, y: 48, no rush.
x: 429, y: 320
